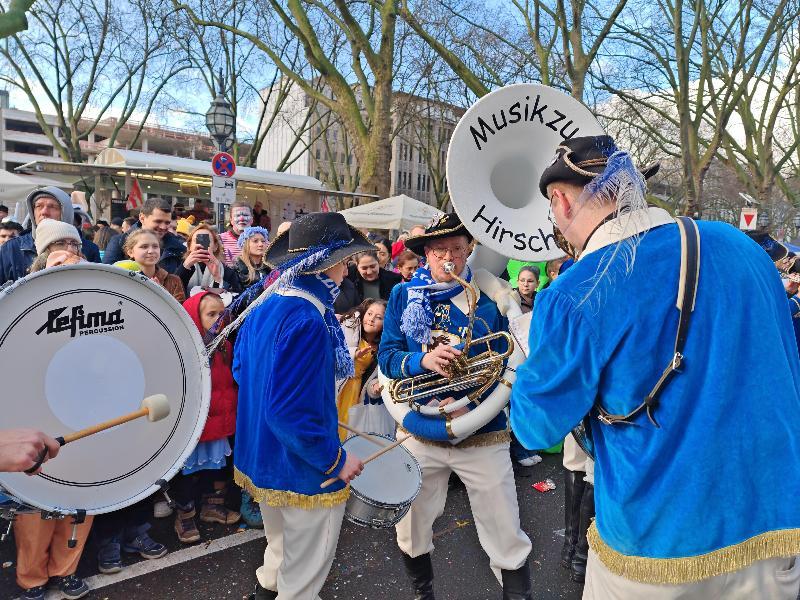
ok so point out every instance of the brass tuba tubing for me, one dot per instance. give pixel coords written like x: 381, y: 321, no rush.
x: 479, y: 372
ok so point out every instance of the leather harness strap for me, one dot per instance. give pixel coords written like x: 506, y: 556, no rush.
x: 687, y: 295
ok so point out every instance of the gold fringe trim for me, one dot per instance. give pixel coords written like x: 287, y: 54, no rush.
x: 771, y: 544
x: 336, y: 462
x: 473, y: 441
x: 280, y: 498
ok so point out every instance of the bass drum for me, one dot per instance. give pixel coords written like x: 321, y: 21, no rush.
x: 85, y: 343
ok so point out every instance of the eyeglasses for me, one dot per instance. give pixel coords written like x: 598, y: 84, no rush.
x: 64, y: 244
x: 441, y: 253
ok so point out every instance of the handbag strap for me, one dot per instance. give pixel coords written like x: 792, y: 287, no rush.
x: 685, y: 303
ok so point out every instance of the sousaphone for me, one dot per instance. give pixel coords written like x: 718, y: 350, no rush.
x: 497, y: 154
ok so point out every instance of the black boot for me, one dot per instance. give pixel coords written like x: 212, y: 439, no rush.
x: 573, y: 492
x: 262, y: 593
x: 517, y: 584
x: 420, y: 572
x: 582, y: 547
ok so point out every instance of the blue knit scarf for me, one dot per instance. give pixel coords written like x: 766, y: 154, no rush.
x: 324, y: 289
x: 417, y: 317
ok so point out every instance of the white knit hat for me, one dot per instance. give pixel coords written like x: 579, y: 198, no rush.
x: 50, y: 230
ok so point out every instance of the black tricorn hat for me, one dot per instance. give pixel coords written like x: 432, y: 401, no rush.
x: 581, y: 159
x: 771, y: 246
x: 446, y: 225
x: 314, y: 232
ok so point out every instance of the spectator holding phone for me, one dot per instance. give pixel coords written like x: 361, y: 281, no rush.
x: 202, y: 265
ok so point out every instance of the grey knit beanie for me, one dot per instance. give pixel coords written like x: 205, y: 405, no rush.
x: 50, y: 230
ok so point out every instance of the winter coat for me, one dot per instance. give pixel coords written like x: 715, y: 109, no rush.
x: 171, y: 283
x: 221, y: 421
x: 386, y: 281
x: 242, y: 273
x: 17, y: 255
x: 172, y: 250
x: 200, y: 276
x: 347, y: 298
x: 352, y: 336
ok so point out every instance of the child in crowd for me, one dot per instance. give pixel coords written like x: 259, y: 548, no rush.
x: 208, y: 469
x: 359, y: 398
x: 527, y: 282
x: 250, y: 266
x: 144, y: 247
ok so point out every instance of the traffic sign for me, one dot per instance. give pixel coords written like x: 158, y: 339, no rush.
x: 748, y: 219
x: 223, y: 190
x: 223, y: 165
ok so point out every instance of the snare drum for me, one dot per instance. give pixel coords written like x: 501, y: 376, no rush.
x: 387, y: 486
x: 86, y: 343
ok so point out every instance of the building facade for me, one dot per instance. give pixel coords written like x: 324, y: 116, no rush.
x: 307, y: 139
x: 22, y: 139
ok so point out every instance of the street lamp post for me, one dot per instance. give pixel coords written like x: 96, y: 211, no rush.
x: 221, y: 123
x: 220, y: 119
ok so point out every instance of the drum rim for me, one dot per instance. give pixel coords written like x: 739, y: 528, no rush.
x: 204, y: 376
x: 360, y: 496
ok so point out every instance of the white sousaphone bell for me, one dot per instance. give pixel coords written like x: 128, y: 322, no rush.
x: 497, y: 154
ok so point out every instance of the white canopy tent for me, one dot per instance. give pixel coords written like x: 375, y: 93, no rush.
x: 398, y: 212
x: 14, y: 188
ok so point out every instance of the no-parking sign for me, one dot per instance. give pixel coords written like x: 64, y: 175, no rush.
x: 223, y: 165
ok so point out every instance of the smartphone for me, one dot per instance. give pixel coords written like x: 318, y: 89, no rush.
x: 203, y: 239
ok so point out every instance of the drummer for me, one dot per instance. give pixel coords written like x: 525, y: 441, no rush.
x: 20, y: 448
x: 288, y: 353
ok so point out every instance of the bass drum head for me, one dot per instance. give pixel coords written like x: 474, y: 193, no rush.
x: 86, y: 343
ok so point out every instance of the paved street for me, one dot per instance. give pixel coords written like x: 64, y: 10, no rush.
x: 367, y: 565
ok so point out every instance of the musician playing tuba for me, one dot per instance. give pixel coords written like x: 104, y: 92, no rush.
x: 426, y: 321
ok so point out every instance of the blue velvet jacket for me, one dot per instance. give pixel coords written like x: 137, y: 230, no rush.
x: 714, y: 488
x: 400, y: 356
x: 286, y: 430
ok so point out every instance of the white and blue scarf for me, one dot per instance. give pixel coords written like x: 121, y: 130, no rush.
x: 417, y: 318
x: 324, y: 289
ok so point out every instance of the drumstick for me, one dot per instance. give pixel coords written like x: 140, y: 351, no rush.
x: 369, y: 459
x: 375, y: 440
x: 154, y: 408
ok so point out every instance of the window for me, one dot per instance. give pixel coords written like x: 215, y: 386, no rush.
x: 318, y: 154
x: 316, y: 175
x: 411, y: 153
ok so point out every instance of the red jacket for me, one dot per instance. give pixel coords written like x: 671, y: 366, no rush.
x: 221, y: 420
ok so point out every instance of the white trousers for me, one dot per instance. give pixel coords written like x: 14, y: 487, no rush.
x: 773, y: 579
x: 575, y: 459
x: 489, y: 478
x: 301, y: 545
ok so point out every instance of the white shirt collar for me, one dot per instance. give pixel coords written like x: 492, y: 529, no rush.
x: 626, y: 226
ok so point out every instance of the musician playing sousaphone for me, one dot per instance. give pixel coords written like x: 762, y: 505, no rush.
x: 425, y: 323
x: 695, y: 465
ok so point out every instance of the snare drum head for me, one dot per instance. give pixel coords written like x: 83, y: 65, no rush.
x: 392, y: 478
x: 86, y: 343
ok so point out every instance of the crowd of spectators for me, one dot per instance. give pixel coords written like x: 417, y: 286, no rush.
x: 185, y: 254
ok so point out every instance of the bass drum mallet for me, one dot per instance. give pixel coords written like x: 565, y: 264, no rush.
x: 154, y: 407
